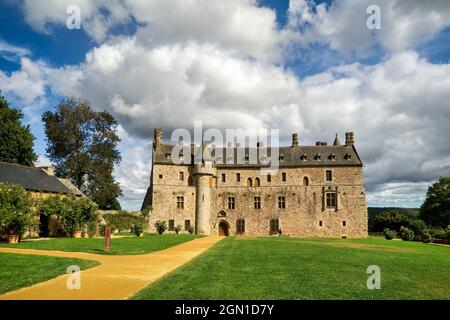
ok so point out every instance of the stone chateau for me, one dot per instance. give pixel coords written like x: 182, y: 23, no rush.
x: 318, y: 191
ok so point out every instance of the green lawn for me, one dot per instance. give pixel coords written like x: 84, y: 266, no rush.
x: 20, y: 270
x: 295, y: 268
x: 119, y: 246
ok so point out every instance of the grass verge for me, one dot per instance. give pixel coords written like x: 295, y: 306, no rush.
x: 302, y: 268
x: 119, y: 246
x: 22, y: 270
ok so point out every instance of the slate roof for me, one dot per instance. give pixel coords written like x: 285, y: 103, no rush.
x: 31, y: 178
x: 298, y: 156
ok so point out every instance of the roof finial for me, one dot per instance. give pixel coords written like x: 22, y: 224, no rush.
x: 336, y: 141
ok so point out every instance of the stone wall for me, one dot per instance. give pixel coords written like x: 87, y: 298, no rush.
x: 165, y: 193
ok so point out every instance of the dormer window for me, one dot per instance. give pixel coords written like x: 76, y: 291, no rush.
x: 304, y: 157
x: 348, y: 156
x: 318, y: 157
x: 281, y: 158
x: 332, y: 157
x: 264, y: 160
x: 168, y: 155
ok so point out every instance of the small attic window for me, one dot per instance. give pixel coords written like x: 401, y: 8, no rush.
x: 332, y: 157
x: 264, y: 160
x: 247, y: 159
x: 281, y: 158
x: 348, y: 156
x: 318, y: 157
x: 304, y: 157
x: 168, y: 155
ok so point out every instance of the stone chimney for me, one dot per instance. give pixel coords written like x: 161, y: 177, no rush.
x: 295, y: 139
x: 49, y: 170
x: 349, y: 139
x: 157, y: 138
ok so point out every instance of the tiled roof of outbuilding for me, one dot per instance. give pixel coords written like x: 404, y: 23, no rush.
x: 31, y: 178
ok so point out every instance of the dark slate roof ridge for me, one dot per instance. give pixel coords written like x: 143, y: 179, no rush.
x: 291, y: 154
x: 31, y: 178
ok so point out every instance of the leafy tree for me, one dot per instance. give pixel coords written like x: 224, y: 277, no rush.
x: 16, y: 210
x: 16, y: 140
x: 104, y: 190
x: 436, y: 208
x: 82, y: 143
x: 390, y: 220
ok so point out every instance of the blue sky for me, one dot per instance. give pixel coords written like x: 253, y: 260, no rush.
x: 311, y: 58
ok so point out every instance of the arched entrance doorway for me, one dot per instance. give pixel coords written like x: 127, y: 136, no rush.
x: 223, y: 229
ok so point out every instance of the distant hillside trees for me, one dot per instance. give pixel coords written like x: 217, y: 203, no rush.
x: 390, y: 219
x: 16, y: 140
x: 82, y: 144
x: 430, y: 222
x: 435, y: 210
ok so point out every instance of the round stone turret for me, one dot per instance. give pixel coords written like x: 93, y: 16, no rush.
x: 203, y: 174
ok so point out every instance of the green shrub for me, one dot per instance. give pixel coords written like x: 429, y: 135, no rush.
x: 161, y: 226
x: 447, y: 234
x: 178, y: 228
x: 138, y: 229
x: 426, y: 236
x: 191, y: 230
x: 16, y: 210
x: 418, y: 227
x: 124, y: 221
x: 389, y: 234
x: 75, y: 214
x: 438, y: 233
x: 406, y: 234
x: 92, y: 228
x: 146, y: 212
x: 101, y: 230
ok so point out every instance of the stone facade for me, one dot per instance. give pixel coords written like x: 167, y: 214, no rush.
x: 320, y: 196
